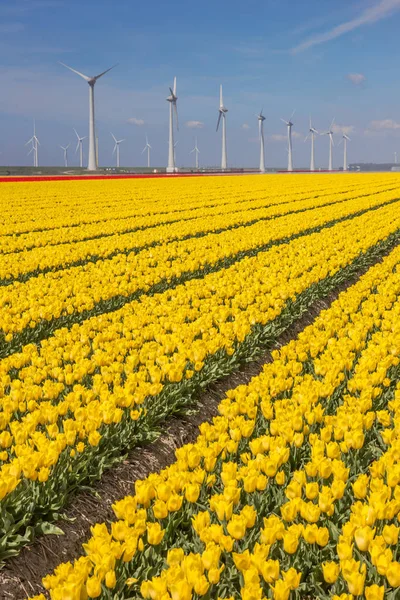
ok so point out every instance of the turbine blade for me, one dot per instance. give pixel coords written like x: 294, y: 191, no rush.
x: 85, y: 77
x: 76, y: 133
x: 113, y: 137
x: 115, y: 147
x: 286, y: 122
x: 144, y: 149
x: 221, y: 100
x: 306, y: 138
x: 333, y: 120
x: 104, y: 72
x: 219, y: 119
x: 77, y: 147
x: 174, y: 86
x: 176, y: 115
x: 292, y: 115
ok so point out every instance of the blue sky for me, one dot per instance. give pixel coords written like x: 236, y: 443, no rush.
x: 321, y: 58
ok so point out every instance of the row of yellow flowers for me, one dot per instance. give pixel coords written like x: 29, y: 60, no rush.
x: 84, y: 391
x: 28, y: 207
x: 258, y: 506
x: 58, y: 256
x: 132, y: 215
x: 77, y: 289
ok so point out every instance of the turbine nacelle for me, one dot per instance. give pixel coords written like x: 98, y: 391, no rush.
x: 172, y: 98
x: 117, y: 142
x: 289, y: 122
x: 90, y: 80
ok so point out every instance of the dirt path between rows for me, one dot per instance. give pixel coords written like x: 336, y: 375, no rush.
x: 21, y: 577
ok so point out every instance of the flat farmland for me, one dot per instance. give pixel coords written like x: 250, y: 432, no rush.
x: 122, y: 301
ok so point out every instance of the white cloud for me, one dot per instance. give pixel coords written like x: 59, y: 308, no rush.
x: 135, y: 121
x: 245, y: 126
x: 385, y: 124
x: 383, y: 127
x: 21, y: 7
x: 280, y: 137
x: 343, y: 129
x: 372, y: 14
x: 11, y: 27
x: 356, y: 78
x: 194, y: 124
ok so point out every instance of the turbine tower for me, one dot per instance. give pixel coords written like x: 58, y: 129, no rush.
x: 172, y: 98
x: 65, y: 148
x: 116, y: 147
x: 331, y: 144
x: 312, y: 132
x: 261, y: 120
x: 148, y: 148
x: 35, y: 143
x: 92, y: 162
x: 197, y: 151
x: 345, y: 139
x: 79, y: 147
x: 222, y: 115
x: 289, y: 134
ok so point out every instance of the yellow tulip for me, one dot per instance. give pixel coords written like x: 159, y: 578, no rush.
x: 154, y: 533
x: 393, y: 574
x: 330, y: 571
x: 374, y: 592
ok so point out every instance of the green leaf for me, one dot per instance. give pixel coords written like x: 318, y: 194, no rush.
x: 47, y: 528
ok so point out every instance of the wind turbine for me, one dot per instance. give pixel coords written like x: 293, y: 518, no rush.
x: 116, y: 147
x: 331, y: 144
x: 92, y: 163
x: 312, y: 132
x: 222, y: 115
x: 65, y: 148
x: 289, y: 134
x: 345, y: 139
x: 35, y: 143
x: 261, y: 120
x: 172, y: 98
x: 79, y: 147
x: 148, y: 148
x: 197, y: 151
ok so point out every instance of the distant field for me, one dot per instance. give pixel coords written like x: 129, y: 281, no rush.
x: 122, y: 300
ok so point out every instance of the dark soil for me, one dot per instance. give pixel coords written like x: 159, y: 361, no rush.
x: 22, y: 575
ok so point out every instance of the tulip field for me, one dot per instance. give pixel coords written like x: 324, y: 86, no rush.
x: 122, y: 300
